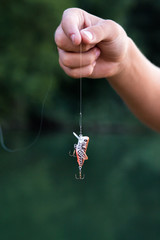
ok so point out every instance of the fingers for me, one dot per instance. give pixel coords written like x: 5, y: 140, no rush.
x: 104, y: 30
x: 79, y: 72
x: 75, y: 60
x: 63, y: 42
x: 68, y: 36
x: 74, y: 67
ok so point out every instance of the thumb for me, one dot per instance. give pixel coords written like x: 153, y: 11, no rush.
x: 106, y: 30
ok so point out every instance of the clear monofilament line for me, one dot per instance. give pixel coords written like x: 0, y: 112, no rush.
x: 80, y: 77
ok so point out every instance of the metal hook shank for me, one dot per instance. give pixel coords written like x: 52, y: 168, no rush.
x: 80, y: 174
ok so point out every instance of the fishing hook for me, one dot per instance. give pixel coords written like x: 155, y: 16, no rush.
x: 72, y: 154
x: 80, y: 174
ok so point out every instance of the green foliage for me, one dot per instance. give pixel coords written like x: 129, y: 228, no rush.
x: 143, y: 26
x: 107, y: 9
x: 28, y: 56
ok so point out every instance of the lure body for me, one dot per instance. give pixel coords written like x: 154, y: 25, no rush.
x: 80, y: 150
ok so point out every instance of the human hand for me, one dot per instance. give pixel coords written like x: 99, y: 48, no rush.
x: 104, y: 45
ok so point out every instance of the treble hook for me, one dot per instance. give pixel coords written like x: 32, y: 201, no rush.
x: 80, y: 174
x: 72, y: 154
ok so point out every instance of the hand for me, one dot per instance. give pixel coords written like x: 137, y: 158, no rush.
x: 104, y: 45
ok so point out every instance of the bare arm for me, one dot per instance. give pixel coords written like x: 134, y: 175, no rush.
x: 139, y: 86
x: 109, y: 52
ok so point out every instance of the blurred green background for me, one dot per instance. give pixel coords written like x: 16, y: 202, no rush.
x: 39, y: 196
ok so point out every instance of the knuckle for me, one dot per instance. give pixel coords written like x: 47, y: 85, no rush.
x: 66, y: 60
x: 113, y: 25
x: 67, y: 70
x: 59, y: 38
x: 59, y: 43
x: 109, y: 21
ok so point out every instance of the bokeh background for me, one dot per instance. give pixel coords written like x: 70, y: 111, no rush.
x: 39, y: 196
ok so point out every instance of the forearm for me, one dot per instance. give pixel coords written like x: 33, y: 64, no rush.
x: 138, y: 84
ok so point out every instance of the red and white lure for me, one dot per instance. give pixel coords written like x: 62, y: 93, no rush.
x: 80, y: 150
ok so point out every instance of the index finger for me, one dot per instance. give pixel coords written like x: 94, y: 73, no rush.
x: 72, y: 23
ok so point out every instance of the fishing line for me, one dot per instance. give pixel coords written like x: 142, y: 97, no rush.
x: 39, y: 131
x: 80, y: 79
x: 81, y: 147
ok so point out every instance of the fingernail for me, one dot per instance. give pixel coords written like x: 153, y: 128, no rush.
x: 88, y: 34
x: 73, y: 38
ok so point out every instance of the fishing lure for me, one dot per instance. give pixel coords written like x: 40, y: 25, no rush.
x: 80, y: 150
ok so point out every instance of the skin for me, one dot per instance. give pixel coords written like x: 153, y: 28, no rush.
x: 107, y: 52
